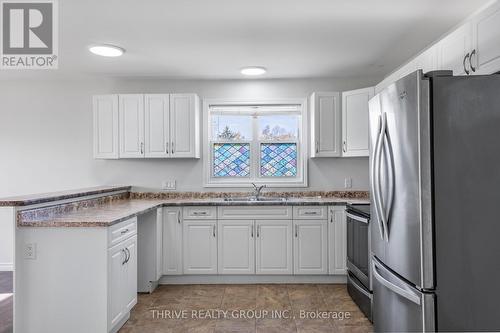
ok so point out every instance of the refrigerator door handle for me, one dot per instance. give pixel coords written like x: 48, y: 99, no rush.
x: 402, y: 291
x: 373, y: 175
x: 386, y: 208
x: 376, y: 178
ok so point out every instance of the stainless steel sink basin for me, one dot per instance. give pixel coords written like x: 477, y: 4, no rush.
x: 256, y: 199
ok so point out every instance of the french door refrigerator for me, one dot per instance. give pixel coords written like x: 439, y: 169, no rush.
x: 435, y: 203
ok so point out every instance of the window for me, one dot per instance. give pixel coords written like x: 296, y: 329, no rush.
x: 255, y: 143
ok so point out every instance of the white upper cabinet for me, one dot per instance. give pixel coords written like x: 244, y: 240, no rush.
x: 454, y: 50
x: 185, y: 125
x: 146, y: 126
x: 157, y: 125
x: 326, y: 124
x: 485, y: 56
x: 428, y: 60
x: 355, y: 122
x: 105, y: 112
x: 471, y: 49
x: 131, y: 114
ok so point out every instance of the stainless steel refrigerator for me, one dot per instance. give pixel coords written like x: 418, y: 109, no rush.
x: 435, y: 195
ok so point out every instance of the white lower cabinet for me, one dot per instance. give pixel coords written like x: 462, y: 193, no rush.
x: 236, y: 247
x: 337, y: 241
x: 172, y: 241
x: 273, y: 247
x: 122, y: 280
x: 200, y: 246
x: 310, y: 247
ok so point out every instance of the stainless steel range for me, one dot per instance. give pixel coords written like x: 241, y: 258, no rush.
x: 358, y: 257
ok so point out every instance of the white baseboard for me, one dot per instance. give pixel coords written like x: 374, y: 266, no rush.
x: 251, y: 279
x: 6, y: 267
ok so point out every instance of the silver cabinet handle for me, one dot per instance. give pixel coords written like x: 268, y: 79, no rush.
x: 331, y: 216
x: 214, y: 231
x: 344, y: 146
x: 317, y: 146
x: 128, y: 255
x: 123, y: 232
x: 258, y: 230
x: 142, y: 148
x: 466, y: 58
x: 179, y: 217
x: 199, y: 213
x: 173, y: 147
x: 252, y: 231
x: 310, y: 213
x: 473, y: 53
x: 296, y: 231
x: 166, y: 147
x: 125, y: 260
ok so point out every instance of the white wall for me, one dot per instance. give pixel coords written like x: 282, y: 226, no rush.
x: 46, y: 134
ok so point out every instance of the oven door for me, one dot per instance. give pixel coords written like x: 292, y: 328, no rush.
x: 358, y: 247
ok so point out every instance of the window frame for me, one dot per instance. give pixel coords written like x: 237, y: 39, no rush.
x: 255, y: 145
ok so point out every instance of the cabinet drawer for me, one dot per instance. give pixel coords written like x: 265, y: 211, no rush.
x: 255, y: 213
x: 122, y: 231
x: 197, y: 213
x: 310, y: 212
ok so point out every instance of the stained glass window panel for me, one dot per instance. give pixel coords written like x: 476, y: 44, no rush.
x: 278, y: 159
x: 231, y: 160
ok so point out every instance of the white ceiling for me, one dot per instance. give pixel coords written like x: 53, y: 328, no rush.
x: 215, y: 38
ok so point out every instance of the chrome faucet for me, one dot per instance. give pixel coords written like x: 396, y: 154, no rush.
x: 257, y: 190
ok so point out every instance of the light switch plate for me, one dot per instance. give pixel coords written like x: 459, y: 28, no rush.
x: 348, y: 183
x: 30, y: 251
x: 169, y: 185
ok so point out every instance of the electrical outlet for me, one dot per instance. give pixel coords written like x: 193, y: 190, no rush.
x: 169, y: 185
x: 348, y: 183
x: 30, y: 251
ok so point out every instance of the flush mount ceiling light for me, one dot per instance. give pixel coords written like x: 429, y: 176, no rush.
x: 106, y: 50
x: 253, y: 71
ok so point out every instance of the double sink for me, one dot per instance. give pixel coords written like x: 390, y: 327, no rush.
x: 255, y: 199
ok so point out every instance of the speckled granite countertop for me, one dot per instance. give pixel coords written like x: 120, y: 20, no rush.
x: 31, y: 199
x: 110, y: 211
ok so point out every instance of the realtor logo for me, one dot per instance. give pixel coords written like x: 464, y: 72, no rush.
x: 29, y: 34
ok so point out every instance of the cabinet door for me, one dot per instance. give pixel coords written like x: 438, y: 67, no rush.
x: 326, y: 124
x: 453, y: 50
x: 184, y: 128
x: 486, y: 41
x: 130, y: 274
x: 428, y: 60
x: 157, y: 125
x: 310, y: 247
x: 236, y: 247
x: 172, y: 241
x: 337, y: 241
x: 131, y: 109
x: 200, y: 247
x: 116, y: 261
x: 273, y: 247
x: 105, y: 112
x: 355, y: 122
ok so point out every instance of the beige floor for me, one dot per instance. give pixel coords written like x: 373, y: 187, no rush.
x: 152, y: 312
